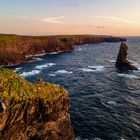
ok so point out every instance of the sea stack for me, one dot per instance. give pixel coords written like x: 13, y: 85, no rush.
x: 122, y: 63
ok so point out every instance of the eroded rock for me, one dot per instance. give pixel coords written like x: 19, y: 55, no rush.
x: 33, y: 111
x: 122, y: 63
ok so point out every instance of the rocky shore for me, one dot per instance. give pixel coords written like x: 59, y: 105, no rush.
x: 33, y: 111
x: 15, y: 48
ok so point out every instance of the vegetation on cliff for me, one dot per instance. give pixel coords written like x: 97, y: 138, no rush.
x: 14, y: 48
x: 33, y: 111
x: 14, y: 86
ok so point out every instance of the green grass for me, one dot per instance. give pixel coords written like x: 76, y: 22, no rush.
x: 13, y: 86
x: 7, y: 39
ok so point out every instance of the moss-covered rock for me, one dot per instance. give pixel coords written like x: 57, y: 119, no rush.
x: 32, y: 111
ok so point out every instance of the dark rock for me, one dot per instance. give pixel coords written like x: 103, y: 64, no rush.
x: 122, y: 63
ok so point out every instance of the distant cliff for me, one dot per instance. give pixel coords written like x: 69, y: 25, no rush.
x: 14, y: 48
x: 33, y: 111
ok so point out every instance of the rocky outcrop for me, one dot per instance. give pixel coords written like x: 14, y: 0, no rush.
x: 122, y: 63
x: 14, y: 48
x: 33, y: 111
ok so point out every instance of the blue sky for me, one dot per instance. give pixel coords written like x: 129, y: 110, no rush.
x: 39, y: 17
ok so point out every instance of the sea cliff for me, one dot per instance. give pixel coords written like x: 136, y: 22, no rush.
x: 33, y: 111
x: 15, y: 48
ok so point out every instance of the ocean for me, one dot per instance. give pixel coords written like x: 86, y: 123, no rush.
x: 105, y: 103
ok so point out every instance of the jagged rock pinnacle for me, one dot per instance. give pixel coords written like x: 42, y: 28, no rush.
x: 122, y: 63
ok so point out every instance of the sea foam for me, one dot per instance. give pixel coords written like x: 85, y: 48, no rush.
x: 94, y: 69
x: 111, y: 102
x: 30, y: 73
x: 63, y: 72
x: 40, y: 67
x: 97, y: 68
x: 79, y: 138
x: 38, y: 59
x: 131, y: 76
x: 112, y: 61
x: 52, y: 74
x: 17, y: 69
x: 87, y: 70
x: 28, y: 56
x: 56, y: 52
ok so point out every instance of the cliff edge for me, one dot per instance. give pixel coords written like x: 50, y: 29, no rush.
x: 15, y: 48
x: 33, y: 111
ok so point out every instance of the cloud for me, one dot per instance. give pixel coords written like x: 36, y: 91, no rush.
x: 116, y: 19
x: 54, y: 19
x: 49, y: 19
x: 100, y: 27
x: 72, y: 4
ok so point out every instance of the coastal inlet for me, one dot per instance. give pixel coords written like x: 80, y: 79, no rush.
x: 105, y: 104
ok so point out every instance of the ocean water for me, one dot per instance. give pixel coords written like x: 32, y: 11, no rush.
x: 105, y: 103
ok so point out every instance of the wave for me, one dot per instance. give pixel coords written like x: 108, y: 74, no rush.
x: 38, y: 59
x: 17, y: 69
x: 56, y: 52
x: 79, y: 49
x: 63, y: 72
x: 112, y: 61
x: 131, y: 76
x: 52, y: 75
x: 30, y: 73
x: 97, y: 68
x: 79, y: 138
x: 45, y: 66
x: 87, y: 70
x: 28, y: 56
x: 134, y: 63
x: 94, y: 69
x: 111, y: 102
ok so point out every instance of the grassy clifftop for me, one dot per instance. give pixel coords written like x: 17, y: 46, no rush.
x: 33, y: 111
x: 14, y: 86
x: 6, y: 39
x: 12, y: 39
x: 15, y: 48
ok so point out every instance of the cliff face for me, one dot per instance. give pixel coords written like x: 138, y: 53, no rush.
x: 33, y: 111
x: 14, y: 48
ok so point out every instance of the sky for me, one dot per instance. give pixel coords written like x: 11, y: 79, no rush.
x: 51, y: 17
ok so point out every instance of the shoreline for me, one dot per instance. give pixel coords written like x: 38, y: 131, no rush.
x: 17, y: 49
